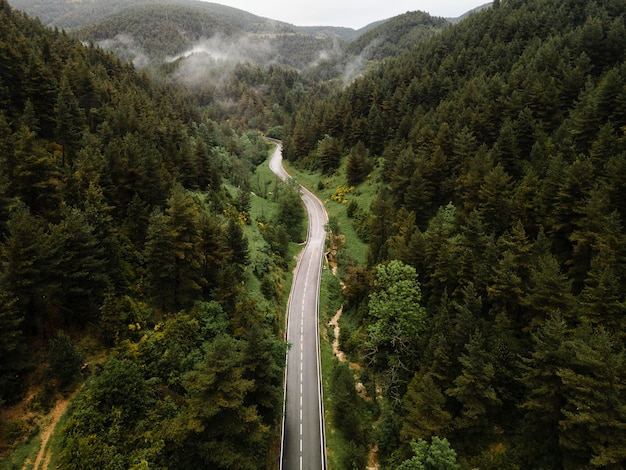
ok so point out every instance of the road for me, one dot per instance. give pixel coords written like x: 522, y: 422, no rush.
x: 303, y: 444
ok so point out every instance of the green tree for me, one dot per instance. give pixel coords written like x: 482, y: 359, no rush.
x: 438, y: 455
x: 104, y: 428
x: 359, y: 164
x: 407, y: 245
x: 495, y: 196
x: 291, y: 214
x: 219, y: 427
x: 183, y: 216
x: 26, y: 274
x: 380, y: 226
x: 328, y: 154
x: 63, y: 359
x: 33, y: 176
x: 474, y: 390
x: 12, y: 348
x: 77, y: 264
x: 425, y: 406
x: 544, y: 398
x: 396, y: 321
x: 591, y: 429
x: 160, y: 262
x: 70, y: 122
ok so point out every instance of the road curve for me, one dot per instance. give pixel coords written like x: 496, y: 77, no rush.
x: 303, y: 444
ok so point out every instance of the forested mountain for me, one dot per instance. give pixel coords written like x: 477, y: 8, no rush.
x: 396, y: 35
x: 146, y: 32
x: 492, y: 311
x: 68, y: 14
x: 124, y: 243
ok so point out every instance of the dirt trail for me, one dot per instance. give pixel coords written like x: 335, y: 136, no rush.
x: 334, y: 323
x: 372, y: 459
x: 44, y: 455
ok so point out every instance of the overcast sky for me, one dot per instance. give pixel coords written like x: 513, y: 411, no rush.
x: 351, y: 13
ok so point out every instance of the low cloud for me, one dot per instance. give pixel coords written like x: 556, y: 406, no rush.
x: 220, y: 54
x: 125, y: 47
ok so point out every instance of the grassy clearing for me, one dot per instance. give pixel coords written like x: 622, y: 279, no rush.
x: 55, y: 443
x: 336, y: 195
x: 23, y: 456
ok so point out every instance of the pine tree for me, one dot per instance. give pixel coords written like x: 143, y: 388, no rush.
x: 33, y: 176
x: 70, y: 122
x: 328, y: 154
x: 425, y: 407
x: 474, y: 390
x: 591, y: 431
x: 78, y: 265
x: 27, y: 275
x: 160, y: 261
x: 544, y: 399
x: 182, y: 220
x: 358, y: 166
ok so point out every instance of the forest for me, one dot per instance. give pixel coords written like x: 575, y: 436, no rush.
x: 491, y: 310
x: 133, y: 275
x: 482, y: 165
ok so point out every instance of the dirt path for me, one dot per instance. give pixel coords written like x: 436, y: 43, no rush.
x: 44, y: 455
x: 372, y: 458
x: 334, y: 323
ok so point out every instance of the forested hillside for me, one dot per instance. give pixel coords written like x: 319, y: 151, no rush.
x: 492, y: 310
x: 125, y: 228
x: 396, y: 35
x: 149, y: 32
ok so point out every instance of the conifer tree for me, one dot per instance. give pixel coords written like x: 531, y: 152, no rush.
x: 160, y: 261
x: 26, y: 274
x: 182, y: 220
x: 591, y: 430
x: 70, y: 122
x: 425, y: 406
x: 474, y: 390
x: 544, y: 399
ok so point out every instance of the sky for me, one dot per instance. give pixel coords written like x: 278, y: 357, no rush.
x: 350, y: 13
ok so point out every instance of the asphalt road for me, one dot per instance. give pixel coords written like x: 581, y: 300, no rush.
x: 303, y: 444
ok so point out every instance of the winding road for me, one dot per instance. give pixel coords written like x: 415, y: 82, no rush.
x: 303, y: 444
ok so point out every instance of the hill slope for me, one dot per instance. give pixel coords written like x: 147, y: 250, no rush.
x: 124, y: 241
x: 501, y: 147
x: 147, y: 31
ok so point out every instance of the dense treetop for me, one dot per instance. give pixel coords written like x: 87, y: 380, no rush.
x: 125, y: 225
x: 501, y: 148
x: 490, y: 312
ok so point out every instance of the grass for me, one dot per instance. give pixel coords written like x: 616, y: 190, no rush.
x: 55, y: 442
x: 331, y: 189
x: 24, y: 454
x: 329, y: 304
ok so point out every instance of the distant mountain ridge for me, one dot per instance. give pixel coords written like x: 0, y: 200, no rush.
x: 144, y: 31
x: 75, y: 14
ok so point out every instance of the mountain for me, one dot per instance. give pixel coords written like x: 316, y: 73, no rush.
x: 128, y: 28
x: 484, y: 170
x: 466, y: 14
x: 69, y: 14
x: 391, y: 37
x: 127, y: 280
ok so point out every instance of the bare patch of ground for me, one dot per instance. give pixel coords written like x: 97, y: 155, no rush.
x: 372, y: 458
x: 44, y: 455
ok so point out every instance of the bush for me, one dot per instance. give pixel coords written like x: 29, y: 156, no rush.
x: 63, y: 359
x: 275, y: 133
